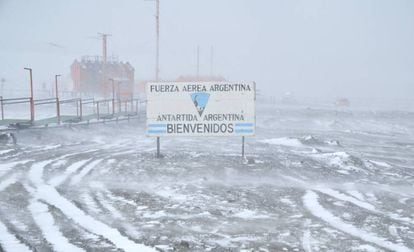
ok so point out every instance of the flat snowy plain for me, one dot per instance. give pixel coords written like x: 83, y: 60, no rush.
x: 318, y: 179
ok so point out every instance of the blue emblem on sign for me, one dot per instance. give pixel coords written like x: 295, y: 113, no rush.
x: 200, y: 101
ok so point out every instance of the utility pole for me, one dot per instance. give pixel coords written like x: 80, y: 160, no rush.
x: 198, y: 62
x: 1, y: 98
x: 157, y: 38
x: 2, y: 85
x: 31, y: 95
x: 157, y: 62
x: 157, y: 55
x: 57, y: 98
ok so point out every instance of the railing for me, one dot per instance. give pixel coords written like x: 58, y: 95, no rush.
x: 99, y: 109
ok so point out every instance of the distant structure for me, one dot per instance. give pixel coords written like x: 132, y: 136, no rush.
x: 91, y: 76
x: 342, y: 102
x: 193, y: 78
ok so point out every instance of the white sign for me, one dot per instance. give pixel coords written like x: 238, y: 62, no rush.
x: 201, y: 109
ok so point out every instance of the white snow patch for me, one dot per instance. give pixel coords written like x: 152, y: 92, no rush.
x: 356, y: 194
x: 5, y: 167
x: 7, y: 182
x: 249, y: 214
x: 379, y: 163
x: 341, y: 160
x: 2, y: 152
x: 306, y: 239
x: 310, y: 200
x: 285, y: 141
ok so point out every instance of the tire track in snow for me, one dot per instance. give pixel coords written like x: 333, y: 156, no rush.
x: 50, y: 195
x: 109, y: 207
x: 58, y: 180
x: 5, y: 167
x: 344, y: 197
x: 78, y: 177
x: 310, y: 201
x: 306, y: 239
x: 362, y: 204
x: 9, y: 242
x: 51, y: 232
x: 90, y: 203
x: 353, y: 200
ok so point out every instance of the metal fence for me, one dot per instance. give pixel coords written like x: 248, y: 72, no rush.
x: 52, y: 110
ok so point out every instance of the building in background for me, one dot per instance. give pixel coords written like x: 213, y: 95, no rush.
x: 91, y: 76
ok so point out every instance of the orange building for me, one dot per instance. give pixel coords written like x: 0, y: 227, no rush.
x: 91, y: 76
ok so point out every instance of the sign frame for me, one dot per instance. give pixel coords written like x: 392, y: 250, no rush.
x: 240, y: 118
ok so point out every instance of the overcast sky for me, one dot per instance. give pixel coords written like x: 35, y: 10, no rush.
x: 319, y: 48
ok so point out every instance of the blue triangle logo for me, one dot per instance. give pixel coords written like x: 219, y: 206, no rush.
x: 200, y: 101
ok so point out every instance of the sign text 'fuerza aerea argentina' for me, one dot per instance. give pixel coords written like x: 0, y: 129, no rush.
x: 201, y: 109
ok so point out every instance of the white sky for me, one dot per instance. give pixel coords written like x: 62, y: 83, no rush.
x: 319, y: 48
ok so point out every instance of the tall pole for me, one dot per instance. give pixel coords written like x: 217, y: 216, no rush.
x: 198, y: 62
x: 113, y: 95
x: 157, y: 59
x: 242, y: 148
x: 2, y: 85
x: 211, y: 60
x: 57, y: 98
x: 157, y: 53
x: 32, y: 115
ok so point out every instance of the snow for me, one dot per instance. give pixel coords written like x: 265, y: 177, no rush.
x: 56, y: 181
x: 7, y: 182
x: 306, y: 241
x: 290, y: 142
x: 78, y: 177
x: 340, y: 160
x: 46, y: 223
x: 5, y: 167
x: 379, y: 163
x: 310, y: 200
x: 51, y: 196
x: 9, y: 242
x: 3, y: 152
x: 343, y: 197
x: 250, y: 214
x: 342, y: 185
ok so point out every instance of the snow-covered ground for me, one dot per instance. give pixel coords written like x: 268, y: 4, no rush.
x: 318, y: 179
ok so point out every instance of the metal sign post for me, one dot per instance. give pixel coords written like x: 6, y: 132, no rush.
x: 57, y: 99
x: 158, y: 148
x: 32, y: 113
x: 242, y: 147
